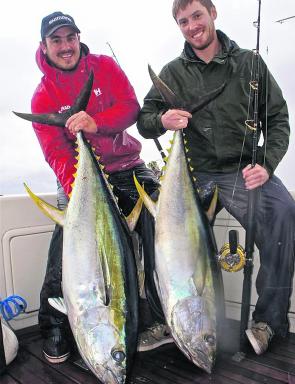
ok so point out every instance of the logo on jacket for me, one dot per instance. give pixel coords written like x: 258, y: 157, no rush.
x: 97, y: 92
x: 64, y: 108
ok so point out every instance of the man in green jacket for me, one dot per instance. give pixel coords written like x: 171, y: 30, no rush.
x: 219, y: 145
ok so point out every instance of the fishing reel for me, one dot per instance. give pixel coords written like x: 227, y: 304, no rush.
x: 232, y: 256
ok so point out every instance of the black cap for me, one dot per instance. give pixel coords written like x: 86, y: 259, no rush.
x: 54, y: 21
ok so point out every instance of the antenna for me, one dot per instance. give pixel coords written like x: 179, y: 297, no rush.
x: 281, y: 21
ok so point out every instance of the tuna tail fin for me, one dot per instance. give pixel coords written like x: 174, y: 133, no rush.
x: 212, y: 208
x: 148, y: 202
x: 172, y: 100
x: 59, y: 119
x: 133, y: 217
x: 48, y: 209
x: 166, y: 93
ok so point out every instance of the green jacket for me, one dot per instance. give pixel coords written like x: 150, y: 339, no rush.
x: 215, y: 134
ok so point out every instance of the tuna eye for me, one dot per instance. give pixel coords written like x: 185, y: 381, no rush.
x: 118, y: 356
x: 209, y: 339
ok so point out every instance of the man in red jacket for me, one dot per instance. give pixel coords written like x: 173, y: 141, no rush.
x: 66, y: 64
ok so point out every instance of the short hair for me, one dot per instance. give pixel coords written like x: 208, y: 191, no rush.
x: 181, y: 4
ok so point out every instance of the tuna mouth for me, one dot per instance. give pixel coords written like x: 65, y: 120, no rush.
x: 202, y: 360
x: 199, y: 357
x: 111, y: 378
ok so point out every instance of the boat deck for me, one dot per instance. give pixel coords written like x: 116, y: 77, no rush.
x: 160, y: 366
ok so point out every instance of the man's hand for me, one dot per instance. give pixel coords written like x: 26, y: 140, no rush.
x: 255, y: 177
x: 175, y: 119
x: 81, y: 121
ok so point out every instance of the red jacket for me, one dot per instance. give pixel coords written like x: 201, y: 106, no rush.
x: 113, y: 106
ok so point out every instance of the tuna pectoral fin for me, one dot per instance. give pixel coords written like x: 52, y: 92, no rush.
x: 134, y: 215
x: 212, y: 208
x: 48, y: 209
x: 148, y: 202
x: 59, y: 304
x: 105, y: 288
x: 199, y: 276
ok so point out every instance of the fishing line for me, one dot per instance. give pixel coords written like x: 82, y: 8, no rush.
x: 241, y: 153
x: 266, y: 115
x: 156, y: 141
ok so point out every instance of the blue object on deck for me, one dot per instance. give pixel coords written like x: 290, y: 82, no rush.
x: 12, y: 306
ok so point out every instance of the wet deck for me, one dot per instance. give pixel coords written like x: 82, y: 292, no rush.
x: 161, y: 366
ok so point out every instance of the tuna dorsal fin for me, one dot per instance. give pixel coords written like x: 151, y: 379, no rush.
x: 48, y: 209
x: 148, y: 202
x: 132, y: 218
x: 59, y: 304
x: 211, y: 210
x: 59, y: 119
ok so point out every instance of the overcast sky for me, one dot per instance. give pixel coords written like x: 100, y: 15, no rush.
x: 140, y: 32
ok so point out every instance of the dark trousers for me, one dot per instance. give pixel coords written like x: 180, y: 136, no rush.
x: 274, y: 237
x: 2, y: 353
x: 50, y: 318
x: 125, y: 190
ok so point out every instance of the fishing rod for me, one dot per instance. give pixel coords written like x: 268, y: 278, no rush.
x: 252, y: 197
x: 113, y: 53
x: 156, y: 141
x: 232, y: 256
